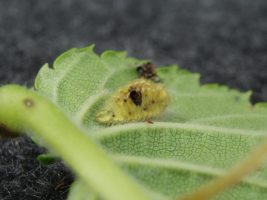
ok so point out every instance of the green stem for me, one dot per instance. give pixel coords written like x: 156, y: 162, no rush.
x: 25, y: 111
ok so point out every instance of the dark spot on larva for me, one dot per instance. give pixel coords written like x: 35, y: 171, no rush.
x: 113, y: 115
x: 153, y: 101
x: 125, y: 100
x: 136, y: 97
x: 144, y: 109
x: 28, y: 103
x: 129, y: 113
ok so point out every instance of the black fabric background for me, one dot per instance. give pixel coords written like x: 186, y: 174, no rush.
x: 224, y: 41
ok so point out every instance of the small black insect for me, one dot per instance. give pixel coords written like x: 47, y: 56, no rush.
x: 148, y: 71
x: 136, y: 97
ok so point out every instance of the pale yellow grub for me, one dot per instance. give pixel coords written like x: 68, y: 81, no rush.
x: 140, y: 100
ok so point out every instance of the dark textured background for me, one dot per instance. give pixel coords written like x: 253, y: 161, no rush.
x: 225, y: 41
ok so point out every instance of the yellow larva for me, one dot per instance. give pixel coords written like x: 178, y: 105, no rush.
x: 140, y: 100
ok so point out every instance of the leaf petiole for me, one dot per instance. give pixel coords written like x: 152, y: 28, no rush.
x: 23, y: 110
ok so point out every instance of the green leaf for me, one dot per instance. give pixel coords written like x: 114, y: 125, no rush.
x: 204, y: 131
x: 46, y: 159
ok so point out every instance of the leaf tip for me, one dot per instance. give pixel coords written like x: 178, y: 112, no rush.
x: 89, y: 48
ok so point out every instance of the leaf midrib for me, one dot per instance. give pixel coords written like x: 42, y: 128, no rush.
x: 230, y: 116
x: 138, y: 126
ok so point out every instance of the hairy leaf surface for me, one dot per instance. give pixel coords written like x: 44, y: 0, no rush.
x: 205, y: 130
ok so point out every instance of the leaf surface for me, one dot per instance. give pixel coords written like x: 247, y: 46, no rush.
x: 204, y: 131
